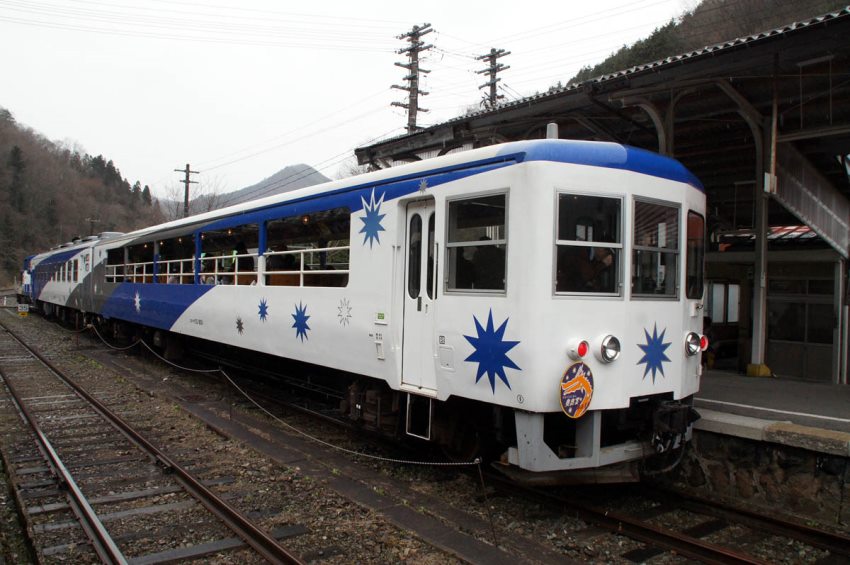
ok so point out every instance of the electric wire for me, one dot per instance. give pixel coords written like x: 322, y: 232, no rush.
x: 277, y: 419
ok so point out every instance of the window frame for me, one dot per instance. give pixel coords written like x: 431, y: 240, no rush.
x: 557, y: 242
x: 306, y: 278
x: 448, y: 245
x: 678, y: 206
x: 690, y: 257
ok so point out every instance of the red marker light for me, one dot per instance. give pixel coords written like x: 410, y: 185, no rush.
x: 583, y: 348
x: 703, y: 343
x: 577, y: 349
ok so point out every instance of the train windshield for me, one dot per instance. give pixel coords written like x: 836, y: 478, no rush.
x: 589, y: 244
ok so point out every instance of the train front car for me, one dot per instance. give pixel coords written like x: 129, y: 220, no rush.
x: 573, y: 295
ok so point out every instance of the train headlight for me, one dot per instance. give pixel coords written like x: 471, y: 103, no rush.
x: 610, y: 349
x: 577, y: 349
x: 693, y: 343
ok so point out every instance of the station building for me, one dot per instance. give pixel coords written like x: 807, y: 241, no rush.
x: 764, y: 122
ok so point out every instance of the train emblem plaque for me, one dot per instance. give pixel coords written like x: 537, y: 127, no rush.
x: 576, y: 390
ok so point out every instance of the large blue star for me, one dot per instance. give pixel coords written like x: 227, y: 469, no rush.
x: 491, y: 352
x: 653, y: 352
x: 300, y: 324
x: 264, y: 310
x: 372, y: 220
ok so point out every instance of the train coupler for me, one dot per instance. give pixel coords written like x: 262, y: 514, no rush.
x: 671, y: 424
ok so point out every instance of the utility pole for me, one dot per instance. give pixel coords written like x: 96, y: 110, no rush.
x: 416, y: 46
x: 186, y: 182
x: 491, y: 100
x: 92, y: 222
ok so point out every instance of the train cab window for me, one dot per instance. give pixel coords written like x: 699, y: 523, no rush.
x: 176, y: 260
x: 115, y: 265
x: 139, y: 266
x: 655, y: 250
x: 588, y: 244
x: 476, y: 246
x: 229, y: 256
x: 695, y: 256
x: 309, y: 249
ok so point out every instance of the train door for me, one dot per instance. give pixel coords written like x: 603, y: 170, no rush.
x: 420, y: 288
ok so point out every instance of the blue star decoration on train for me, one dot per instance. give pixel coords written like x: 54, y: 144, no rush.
x: 653, y: 352
x: 264, y: 310
x: 300, y: 316
x: 372, y: 220
x: 491, y: 352
x: 240, y: 327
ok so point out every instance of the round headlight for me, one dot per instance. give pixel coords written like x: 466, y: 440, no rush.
x: 610, y: 349
x: 692, y: 343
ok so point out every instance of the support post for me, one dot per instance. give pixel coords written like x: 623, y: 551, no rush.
x: 764, y: 186
x: 839, y: 337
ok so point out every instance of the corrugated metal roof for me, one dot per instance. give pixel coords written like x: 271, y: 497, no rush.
x: 655, y: 65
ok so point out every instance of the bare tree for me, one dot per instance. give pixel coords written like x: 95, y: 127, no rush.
x: 206, y: 196
x: 350, y: 168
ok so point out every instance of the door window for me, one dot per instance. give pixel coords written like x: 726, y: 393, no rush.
x: 414, y: 256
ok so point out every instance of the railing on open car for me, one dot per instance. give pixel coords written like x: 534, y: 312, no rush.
x: 301, y: 268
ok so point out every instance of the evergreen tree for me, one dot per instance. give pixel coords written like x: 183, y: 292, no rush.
x: 16, y: 164
x: 136, y: 195
x: 146, y: 196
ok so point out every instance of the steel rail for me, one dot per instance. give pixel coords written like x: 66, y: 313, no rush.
x: 682, y: 544
x: 260, y: 540
x: 834, y: 542
x: 102, y: 543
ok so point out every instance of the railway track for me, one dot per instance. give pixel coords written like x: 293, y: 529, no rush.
x: 88, y: 479
x: 658, y: 525
x: 668, y: 522
x: 663, y: 522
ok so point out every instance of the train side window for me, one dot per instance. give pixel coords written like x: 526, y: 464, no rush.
x: 476, y: 246
x: 176, y: 261
x: 139, y: 266
x: 695, y: 257
x: 309, y: 249
x: 115, y: 265
x: 75, y: 270
x: 588, y: 244
x: 655, y: 250
x: 229, y: 256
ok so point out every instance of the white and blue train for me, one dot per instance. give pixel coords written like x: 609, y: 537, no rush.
x: 543, y: 296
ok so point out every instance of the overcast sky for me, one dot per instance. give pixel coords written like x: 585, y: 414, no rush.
x: 243, y: 89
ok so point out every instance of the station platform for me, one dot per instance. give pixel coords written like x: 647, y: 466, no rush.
x: 813, y: 416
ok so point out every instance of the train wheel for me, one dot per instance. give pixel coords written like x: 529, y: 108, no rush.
x: 459, y: 439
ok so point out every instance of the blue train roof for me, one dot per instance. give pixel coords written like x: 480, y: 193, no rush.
x: 602, y: 154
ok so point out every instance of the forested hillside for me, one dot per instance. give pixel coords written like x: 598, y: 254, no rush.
x: 50, y: 193
x: 712, y: 21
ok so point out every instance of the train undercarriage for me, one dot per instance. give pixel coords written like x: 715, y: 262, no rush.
x: 610, y: 446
